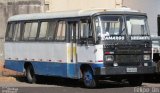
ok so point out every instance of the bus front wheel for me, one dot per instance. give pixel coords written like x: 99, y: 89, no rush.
x: 31, y: 77
x: 88, y: 79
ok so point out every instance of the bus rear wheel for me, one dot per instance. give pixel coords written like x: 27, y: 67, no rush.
x: 31, y: 77
x: 88, y: 79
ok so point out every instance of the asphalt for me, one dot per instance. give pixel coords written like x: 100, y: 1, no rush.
x: 61, y: 85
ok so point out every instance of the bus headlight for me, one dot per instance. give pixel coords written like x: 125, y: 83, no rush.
x: 115, y: 64
x: 146, y: 57
x: 109, y: 58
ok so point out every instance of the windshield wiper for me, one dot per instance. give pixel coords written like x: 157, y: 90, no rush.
x: 122, y: 31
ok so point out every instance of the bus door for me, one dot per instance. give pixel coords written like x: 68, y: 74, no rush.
x: 86, y: 47
x: 72, y: 49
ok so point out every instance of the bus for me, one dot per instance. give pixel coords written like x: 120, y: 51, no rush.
x: 89, y: 45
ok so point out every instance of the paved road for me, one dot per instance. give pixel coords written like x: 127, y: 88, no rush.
x: 73, y: 86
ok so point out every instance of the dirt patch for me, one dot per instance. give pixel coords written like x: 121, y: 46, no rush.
x: 7, y: 72
x: 8, y: 76
x: 4, y: 79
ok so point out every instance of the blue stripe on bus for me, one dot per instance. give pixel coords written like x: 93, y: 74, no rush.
x: 14, y: 65
x: 50, y: 68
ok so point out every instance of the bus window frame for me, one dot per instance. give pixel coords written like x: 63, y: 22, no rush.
x: 8, y: 30
x: 23, y: 30
x: 54, y: 35
x: 124, y: 23
x: 69, y: 38
x: 40, y: 22
x: 13, y: 31
x: 90, y: 39
x: 57, y: 25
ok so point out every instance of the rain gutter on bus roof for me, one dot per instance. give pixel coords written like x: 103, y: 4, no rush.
x: 68, y: 14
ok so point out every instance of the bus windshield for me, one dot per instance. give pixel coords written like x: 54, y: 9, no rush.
x: 137, y: 25
x: 109, y: 25
x: 114, y: 25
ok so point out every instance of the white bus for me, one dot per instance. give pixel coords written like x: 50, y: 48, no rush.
x: 86, y: 44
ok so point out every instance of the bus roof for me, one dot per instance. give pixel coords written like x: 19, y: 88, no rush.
x: 67, y: 14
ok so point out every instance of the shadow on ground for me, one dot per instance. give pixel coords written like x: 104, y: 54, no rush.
x: 152, y: 79
x: 65, y: 82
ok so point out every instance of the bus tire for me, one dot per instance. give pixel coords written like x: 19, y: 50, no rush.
x: 31, y: 77
x: 135, y: 81
x: 88, y: 79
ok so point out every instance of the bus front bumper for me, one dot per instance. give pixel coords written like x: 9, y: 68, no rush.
x: 125, y: 70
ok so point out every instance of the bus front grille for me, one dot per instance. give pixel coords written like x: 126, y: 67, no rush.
x: 128, y: 58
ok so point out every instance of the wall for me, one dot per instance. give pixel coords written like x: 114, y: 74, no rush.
x: 62, y: 5
x: 13, y: 7
x: 151, y: 7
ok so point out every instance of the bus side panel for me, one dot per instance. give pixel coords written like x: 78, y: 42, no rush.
x: 86, y: 54
x: 14, y: 65
x: 72, y: 70
x: 50, y: 68
x: 47, y: 56
x: 42, y: 68
x: 37, y: 51
x: 57, y: 69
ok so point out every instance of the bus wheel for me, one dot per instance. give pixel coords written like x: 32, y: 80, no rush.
x: 88, y: 79
x: 135, y: 81
x: 31, y: 77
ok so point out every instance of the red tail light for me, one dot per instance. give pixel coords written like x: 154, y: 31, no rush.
x: 100, y: 60
x: 108, y: 53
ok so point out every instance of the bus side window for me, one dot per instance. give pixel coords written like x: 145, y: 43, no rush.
x: 73, y: 31
x: 47, y: 30
x: 52, y: 30
x: 10, y: 32
x: 30, y: 31
x: 85, y: 32
x: 43, y: 30
x: 17, y: 34
x: 61, y: 31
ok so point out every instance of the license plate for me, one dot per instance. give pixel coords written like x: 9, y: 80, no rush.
x: 131, y: 69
